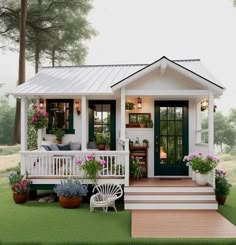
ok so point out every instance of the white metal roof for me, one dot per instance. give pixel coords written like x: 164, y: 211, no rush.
x: 91, y: 79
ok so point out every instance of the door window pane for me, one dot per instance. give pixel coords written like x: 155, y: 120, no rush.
x: 179, y: 113
x: 163, y: 113
x: 171, y: 113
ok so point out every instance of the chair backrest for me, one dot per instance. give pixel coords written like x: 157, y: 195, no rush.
x: 109, y: 189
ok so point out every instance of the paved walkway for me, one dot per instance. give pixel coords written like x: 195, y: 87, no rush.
x: 180, y: 223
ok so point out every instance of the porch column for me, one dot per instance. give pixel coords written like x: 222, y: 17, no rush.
x: 23, y: 131
x: 198, y: 123
x: 122, y: 113
x: 210, y: 121
x: 23, y: 123
x: 84, y: 123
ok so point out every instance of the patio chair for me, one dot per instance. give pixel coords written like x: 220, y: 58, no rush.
x: 106, y: 195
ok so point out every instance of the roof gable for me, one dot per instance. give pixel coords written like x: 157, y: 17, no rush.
x: 162, y: 63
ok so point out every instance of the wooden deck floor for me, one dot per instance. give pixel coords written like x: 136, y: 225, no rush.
x: 164, y: 182
x: 178, y: 223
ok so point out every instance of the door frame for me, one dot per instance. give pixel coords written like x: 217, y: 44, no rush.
x: 177, y: 169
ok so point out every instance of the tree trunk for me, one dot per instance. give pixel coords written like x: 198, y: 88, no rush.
x: 36, y: 57
x: 21, y: 71
x: 53, y: 57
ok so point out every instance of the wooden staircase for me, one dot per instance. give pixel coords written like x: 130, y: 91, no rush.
x: 167, y: 196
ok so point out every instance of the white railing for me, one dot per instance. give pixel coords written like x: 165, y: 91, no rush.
x: 124, y: 145
x: 202, y: 136
x: 211, y: 178
x: 63, y: 163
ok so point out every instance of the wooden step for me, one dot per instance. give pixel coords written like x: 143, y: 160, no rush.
x: 169, y: 193
x: 170, y: 201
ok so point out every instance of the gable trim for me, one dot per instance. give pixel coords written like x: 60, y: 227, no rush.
x: 119, y: 84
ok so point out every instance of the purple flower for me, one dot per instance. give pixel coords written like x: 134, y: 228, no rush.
x: 79, y: 161
x: 102, y: 162
x: 89, y: 157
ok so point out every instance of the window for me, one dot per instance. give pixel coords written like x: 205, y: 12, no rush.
x: 102, y: 119
x: 60, y: 115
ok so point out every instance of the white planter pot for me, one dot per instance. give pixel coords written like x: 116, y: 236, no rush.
x: 201, y: 179
x: 193, y: 175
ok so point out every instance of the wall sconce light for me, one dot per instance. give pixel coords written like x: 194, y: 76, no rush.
x: 77, y: 107
x: 139, y: 102
x: 204, y: 105
x: 41, y: 103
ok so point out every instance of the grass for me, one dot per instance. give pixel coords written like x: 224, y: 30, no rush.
x: 9, y: 150
x: 48, y: 223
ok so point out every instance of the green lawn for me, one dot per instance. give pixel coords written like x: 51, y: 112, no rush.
x: 40, y: 223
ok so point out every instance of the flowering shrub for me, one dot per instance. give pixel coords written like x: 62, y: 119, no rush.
x: 91, y: 166
x: 71, y: 188
x: 223, y: 186
x: 201, y: 163
x: 22, y: 186
x: 18, y: 182
x: 38, y: 119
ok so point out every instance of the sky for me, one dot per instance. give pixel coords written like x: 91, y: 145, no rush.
x: 142, y: 31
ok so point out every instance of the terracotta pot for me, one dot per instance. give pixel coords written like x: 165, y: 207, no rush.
x: 201, y: 179
x: 221, y: 200
x: 19, y: 197
x: 70, y: 202
x: 101, y: 147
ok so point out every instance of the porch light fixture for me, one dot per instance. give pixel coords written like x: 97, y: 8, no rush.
x: 204, y: 105
x: 77, y: 107
x: 139, y: 102
x: 41, y: 103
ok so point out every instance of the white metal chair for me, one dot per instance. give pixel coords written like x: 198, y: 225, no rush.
x: 106, y: 195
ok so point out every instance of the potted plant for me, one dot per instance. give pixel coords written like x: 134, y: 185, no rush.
x: 20, y: 186
x: 145, y: 142
x: 202, y: 165
x: 91, y: 167
x: 143, y: 122
x: 101, y: 141
x: 70, y: 193
x: 136, y: 170
x: 129, y: 105
x: 222, y: 186
x: 59, y: 133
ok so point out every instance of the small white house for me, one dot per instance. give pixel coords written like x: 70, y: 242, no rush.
x: 168, y: 95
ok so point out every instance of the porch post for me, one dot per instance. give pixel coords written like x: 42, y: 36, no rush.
x: 198, y: 123
x: 210, y: 121
x: 122, y: 113
x: 84, y: 123
x: 23, y: 129
x: 24, y: 126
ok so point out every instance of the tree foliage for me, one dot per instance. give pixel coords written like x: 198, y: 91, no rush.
x: 55, y: 29
x: 7, y: 114
x: 224, y: 132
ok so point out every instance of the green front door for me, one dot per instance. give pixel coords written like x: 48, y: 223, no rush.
x: 170, y: 138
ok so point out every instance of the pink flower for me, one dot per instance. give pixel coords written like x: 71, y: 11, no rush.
x: 89, y: 157
x: 102, y: 162
x: 79, y: 161
x: 34, y: 106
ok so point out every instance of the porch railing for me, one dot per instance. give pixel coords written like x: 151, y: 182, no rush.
x: 63, y: 163
x: 202, y: 136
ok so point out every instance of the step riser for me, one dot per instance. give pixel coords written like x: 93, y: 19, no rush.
x: 167, y: 189
x: 169, y: 206
x: 168, y: 197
